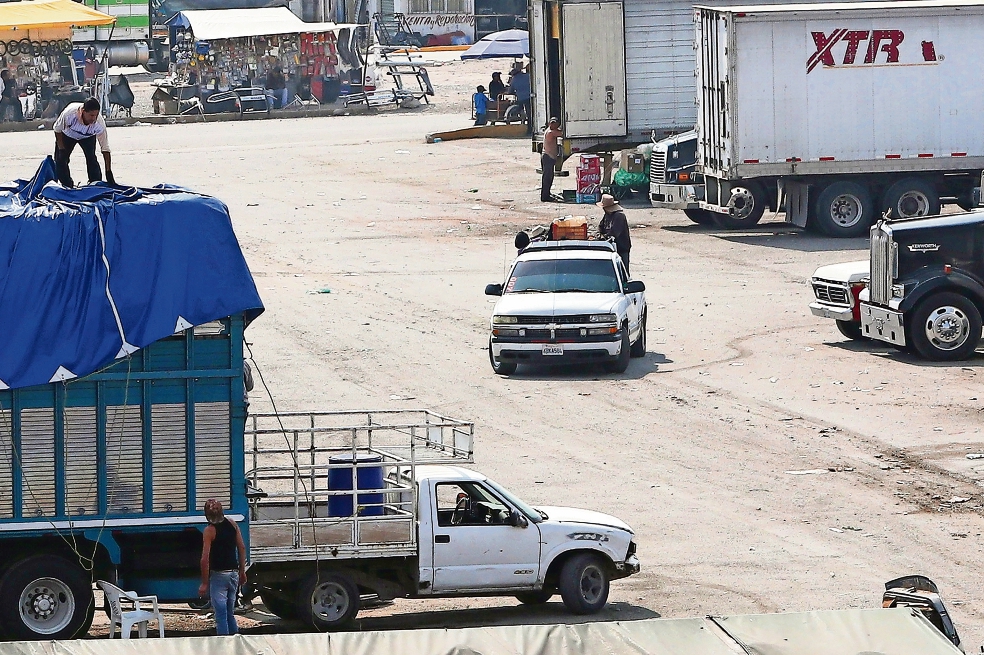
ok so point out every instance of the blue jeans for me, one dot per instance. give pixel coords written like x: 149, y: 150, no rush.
x: 276, y: 96
x: 223, y: 588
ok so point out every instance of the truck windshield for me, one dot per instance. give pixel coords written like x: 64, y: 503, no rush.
x: 563, y: 276
x: 527, y: 511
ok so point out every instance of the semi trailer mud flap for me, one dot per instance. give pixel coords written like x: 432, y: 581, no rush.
x: 797, y: 198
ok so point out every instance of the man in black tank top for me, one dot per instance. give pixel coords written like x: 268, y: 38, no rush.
x: 223, y: 566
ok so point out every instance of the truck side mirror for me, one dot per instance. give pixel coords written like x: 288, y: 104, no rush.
x: 635, y: 286
x: 517, y: 520
x: 493, y: 289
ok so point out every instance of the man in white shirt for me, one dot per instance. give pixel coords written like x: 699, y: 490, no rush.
x: 81, y: 123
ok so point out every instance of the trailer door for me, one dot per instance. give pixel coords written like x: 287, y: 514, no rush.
x: 538, y: 66
x: 593, y: 69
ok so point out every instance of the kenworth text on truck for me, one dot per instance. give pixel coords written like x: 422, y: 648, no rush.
x: 926, y: 292
x: 123, y: 408
x: 797, y: 106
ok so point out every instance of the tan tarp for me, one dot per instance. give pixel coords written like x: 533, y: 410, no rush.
x: 847, y: 632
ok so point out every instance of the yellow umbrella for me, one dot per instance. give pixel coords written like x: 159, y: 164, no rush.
x: 46, y: 14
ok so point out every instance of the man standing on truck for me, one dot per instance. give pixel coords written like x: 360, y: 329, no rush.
x: 223, y: 566
x: 81, y: 124
x: 615, y: 226
x: 548, y: 158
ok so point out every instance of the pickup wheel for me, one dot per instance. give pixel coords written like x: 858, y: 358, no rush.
x: 620, y: 363
x: 746, y: 207
x: 46, y: 597
x: 500, y: 368
x: 851, y: 330
x: 844, y: 209
x: 945, y: 327
x: 584, y: 584
x: 279, y: 604
x: 534, y: 597
x: 639, y: 347
x: 327, y: 601
x: 700, y: 216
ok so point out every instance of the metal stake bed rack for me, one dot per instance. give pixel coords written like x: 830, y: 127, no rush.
x: 289, y: 459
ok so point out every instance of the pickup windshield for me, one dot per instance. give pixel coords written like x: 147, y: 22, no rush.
x: 532, y: 514
x: 563, y: 276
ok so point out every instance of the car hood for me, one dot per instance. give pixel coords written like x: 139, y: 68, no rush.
x: 555, y: 304
x: 847, y: 272
x: 584, y: 517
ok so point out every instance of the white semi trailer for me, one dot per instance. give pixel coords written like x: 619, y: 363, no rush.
x: 839, y: 111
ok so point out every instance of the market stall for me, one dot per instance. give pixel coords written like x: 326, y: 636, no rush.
x: 36, y: 50
x: 224, y: 56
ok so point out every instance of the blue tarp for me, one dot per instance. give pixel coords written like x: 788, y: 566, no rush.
x: 89, y: 275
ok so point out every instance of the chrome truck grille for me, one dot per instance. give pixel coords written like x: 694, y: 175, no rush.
x: 657, y: 167
x: 832, y: 293
x: 882, y: 264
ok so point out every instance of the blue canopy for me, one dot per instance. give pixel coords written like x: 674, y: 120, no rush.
x: 90, y: 275
x: 508, y: 43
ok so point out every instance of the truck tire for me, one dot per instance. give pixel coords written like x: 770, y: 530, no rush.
x: 534, y: 597
x: 584, y: 584
x: 746, y: 207
x: 911, y: 198
x: 700, y: 216
x: 279, y: 604
x: 851, y: 330
x: 844, y: 209
x: 46, y: 597
x: 327, y: 601
x: 620, y: 363
x: 639, y: 347
x: 945, y: 327
x: 500, y: 368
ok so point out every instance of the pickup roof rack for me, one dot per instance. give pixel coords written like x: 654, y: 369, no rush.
x: 534, y: 246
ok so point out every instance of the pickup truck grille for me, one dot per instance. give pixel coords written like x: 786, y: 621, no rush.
x: 882, y: 264
x: 657, y: 167
x: 832, y: 293
x: 559, y: 320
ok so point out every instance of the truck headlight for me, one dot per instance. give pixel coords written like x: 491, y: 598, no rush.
x: 898, y: 291
x: 503, y: 320
x: 602, y: 318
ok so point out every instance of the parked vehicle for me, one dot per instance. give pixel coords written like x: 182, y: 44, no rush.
x: 927, y: 285
x: 793, y: 111
x: 837, y: 288
x: 921, y: 594
x: 674, y: 182
x: 567, y: 301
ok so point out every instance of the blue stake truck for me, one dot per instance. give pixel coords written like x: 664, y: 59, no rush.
x: 123, y: 408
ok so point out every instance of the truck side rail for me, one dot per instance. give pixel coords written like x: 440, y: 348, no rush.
x: 341, y: 483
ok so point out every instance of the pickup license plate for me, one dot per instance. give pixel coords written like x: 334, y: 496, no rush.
x: 553, y: 350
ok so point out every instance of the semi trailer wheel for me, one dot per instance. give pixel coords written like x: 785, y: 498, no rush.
x: 844, y: 209
x: 945, y: 327
x: 746, y: 207
x: 327, y: 601
x: 46, y: 597
x: 584, y: 584
x: 700, y: 216
x: 911, y: 198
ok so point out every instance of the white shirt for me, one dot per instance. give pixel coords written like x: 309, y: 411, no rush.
x: 70, y: 124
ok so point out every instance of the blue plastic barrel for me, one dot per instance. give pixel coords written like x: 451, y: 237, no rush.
x: 369, y: 477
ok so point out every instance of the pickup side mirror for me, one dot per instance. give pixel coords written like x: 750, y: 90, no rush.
x: 632, y: 286
x: 517, y: 520
x: 493, y: 289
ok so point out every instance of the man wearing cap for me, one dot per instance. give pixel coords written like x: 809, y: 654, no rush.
x: 615, y: 226
x: 548, y: 158
x: 81, y: 124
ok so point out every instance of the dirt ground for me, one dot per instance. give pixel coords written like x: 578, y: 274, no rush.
x: 766, y: 463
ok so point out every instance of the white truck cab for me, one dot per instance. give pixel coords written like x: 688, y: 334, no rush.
x: 567, y: 301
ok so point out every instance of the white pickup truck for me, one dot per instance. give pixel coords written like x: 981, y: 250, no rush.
x: 417, y: 524
x: 567, y: 301
x: 837, y: 287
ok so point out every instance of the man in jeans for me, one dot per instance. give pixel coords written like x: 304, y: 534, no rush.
x: 548, y: 158
x: 81, y: 124
x: 223, y: 566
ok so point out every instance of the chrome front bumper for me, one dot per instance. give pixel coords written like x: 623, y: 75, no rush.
x: 612, y: 348
x: 835, y: 312
x: 675, y: 196
x: 882, y: 324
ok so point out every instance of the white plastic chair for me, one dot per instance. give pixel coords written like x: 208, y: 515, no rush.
x: 137, y: 616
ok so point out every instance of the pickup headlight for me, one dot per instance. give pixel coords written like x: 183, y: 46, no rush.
x: 599, y: 331
x: 504, y: 320
x: 602, y: 318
